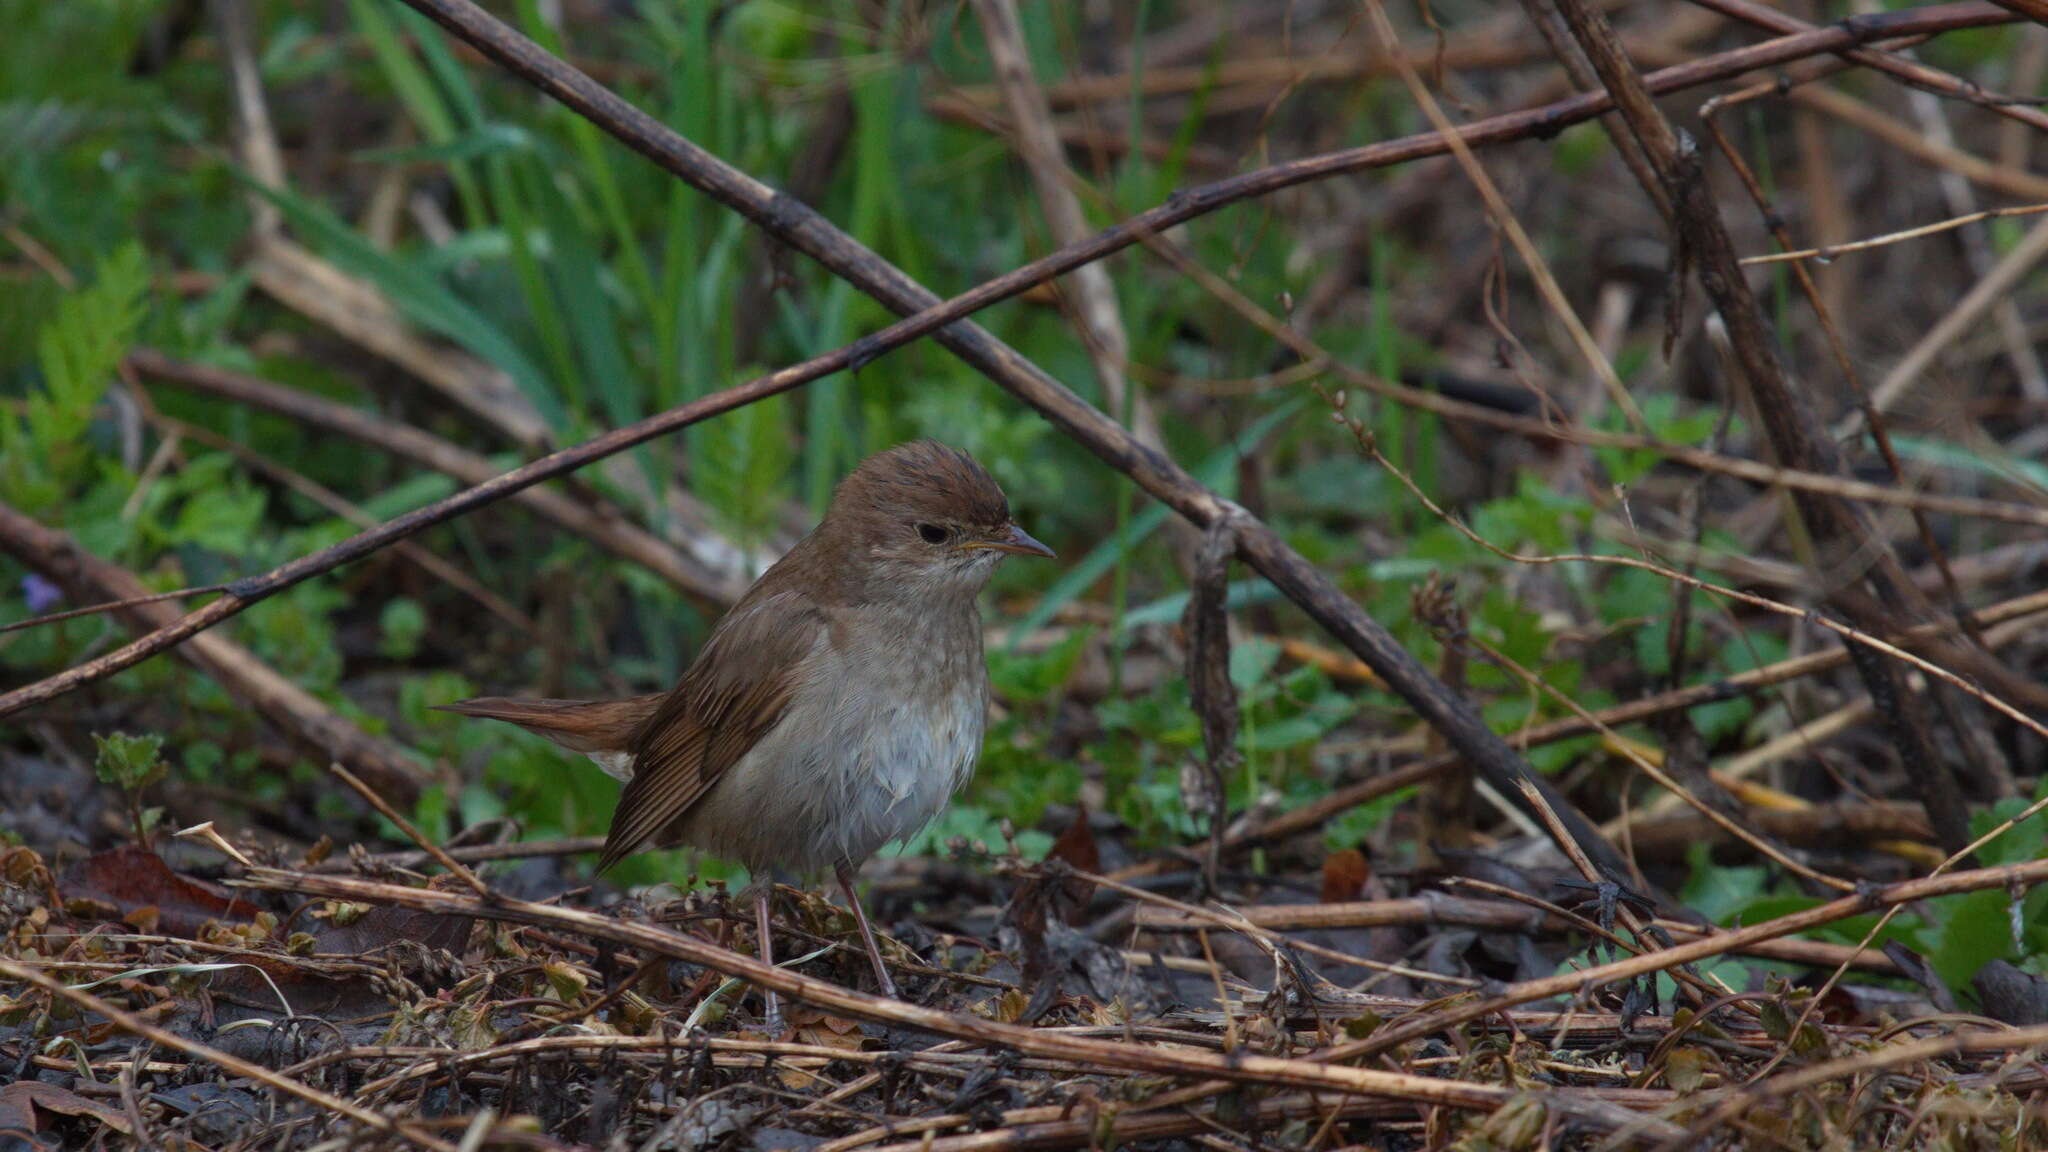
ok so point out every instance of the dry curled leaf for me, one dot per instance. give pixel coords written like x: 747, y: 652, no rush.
x: 29, y: 1108
x: 826, y: 1030
x: 1344, y: 876
x: 1515, y: 1125
x: 1006, y: 1007
x: 565, y: 981
x: 1686, y: 1069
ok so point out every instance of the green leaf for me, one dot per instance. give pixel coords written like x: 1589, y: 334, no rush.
x: 971, y: 824
x: 203, y: 759
x: 1168, y: 608
x: 422, y: 98
x: 1718, y: 892
x: 1022, y: 677
x: 1292, y: 732
x: 83, y: 344
x: 224, y: 519
x: 494, y: 139
x: 1667, y: 423
x: 207, y: 321
x: 128, y: 762
x: 1577, y: 149
x: 2022, y: 842
x: 1251, y: 660
x: 1349, y: 829
x: 402, y: 623
x: 1978, y: 930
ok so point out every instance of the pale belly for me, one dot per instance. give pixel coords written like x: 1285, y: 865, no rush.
x: 843, y: 774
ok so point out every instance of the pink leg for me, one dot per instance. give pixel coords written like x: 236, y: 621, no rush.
x: 766, y: 934
x: 867, y: 934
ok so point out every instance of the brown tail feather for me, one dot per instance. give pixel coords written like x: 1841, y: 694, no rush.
x: 596, y: 728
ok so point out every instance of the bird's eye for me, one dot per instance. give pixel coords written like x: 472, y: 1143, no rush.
x: 933, y: 534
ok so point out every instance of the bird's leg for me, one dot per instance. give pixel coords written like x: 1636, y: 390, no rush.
x: 867, y: 934
x: 766, y: 934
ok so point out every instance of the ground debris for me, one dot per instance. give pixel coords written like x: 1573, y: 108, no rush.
x: 443, y: 1021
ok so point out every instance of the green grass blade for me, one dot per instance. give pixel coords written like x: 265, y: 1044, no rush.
x: 417, y: 296
x: 416, y: 90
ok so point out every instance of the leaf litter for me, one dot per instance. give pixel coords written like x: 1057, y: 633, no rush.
x: 477, y: 1030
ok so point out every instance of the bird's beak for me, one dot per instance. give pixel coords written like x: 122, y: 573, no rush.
x: 1014, y: 540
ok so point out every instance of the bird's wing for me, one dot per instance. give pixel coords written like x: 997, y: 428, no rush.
x: 731, y: 697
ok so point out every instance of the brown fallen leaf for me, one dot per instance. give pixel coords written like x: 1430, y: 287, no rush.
x: 828, y: 1031
x: 383, y: 926
x: 24, y: 868
x: 132, y: 879
x: 28, y: 1109
x: 1344, y: 876
x: 1076, y: 847
x: 1051, y: 890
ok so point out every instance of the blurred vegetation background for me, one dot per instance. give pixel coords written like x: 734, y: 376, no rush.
x: 449, y: 252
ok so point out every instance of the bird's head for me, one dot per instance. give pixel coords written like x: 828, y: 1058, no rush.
x: 923, y: 516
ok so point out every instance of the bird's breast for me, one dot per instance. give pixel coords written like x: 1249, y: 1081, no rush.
x: 913, y: 718
x: 885, y: 728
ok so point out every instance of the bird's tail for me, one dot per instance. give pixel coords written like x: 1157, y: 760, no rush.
x: 600, y: 729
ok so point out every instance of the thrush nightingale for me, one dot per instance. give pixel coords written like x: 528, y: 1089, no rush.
x: 835, y: 708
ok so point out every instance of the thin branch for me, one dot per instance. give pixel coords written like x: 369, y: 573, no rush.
x: 1096, y: 313
x: 1994, y: 288
x: 810, y: 233
x: 475, y: 853
x: 1787, y: 417
x: 2035, y: 10
x: 1912, y: 72
x: 2016, y: 877
x: 2015, y: 182
x: 291, y: 709
x: 455, y: 868
x: 427, y: 561
x: 599, y: 525
x: 105, y: 606
x: 1757, y: 472
x: 1829, y: 252
x: 1855, y: 637
x: 1902, y: 595
x: 1504, y: 219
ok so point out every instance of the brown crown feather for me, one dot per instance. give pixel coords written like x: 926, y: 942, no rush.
x: 923, y: 480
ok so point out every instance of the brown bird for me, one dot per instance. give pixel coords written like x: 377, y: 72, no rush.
x: 835, y: 708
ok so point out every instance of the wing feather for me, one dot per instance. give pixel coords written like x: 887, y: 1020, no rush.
x: 734, y: 694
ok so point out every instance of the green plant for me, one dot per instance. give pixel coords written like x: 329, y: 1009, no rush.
x: 132, y: 764
x: 45, y: 453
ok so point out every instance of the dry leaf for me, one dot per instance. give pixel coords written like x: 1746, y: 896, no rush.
x: 1686, y: 1069
x: 132, y: 877
x: 565, y: 982
x: 1344, y: 876
x: 23, y: 1103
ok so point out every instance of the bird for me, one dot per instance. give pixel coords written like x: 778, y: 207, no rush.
x: 835, y: 708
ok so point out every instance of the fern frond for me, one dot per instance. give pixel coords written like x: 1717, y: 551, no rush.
x: 78, y: 349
